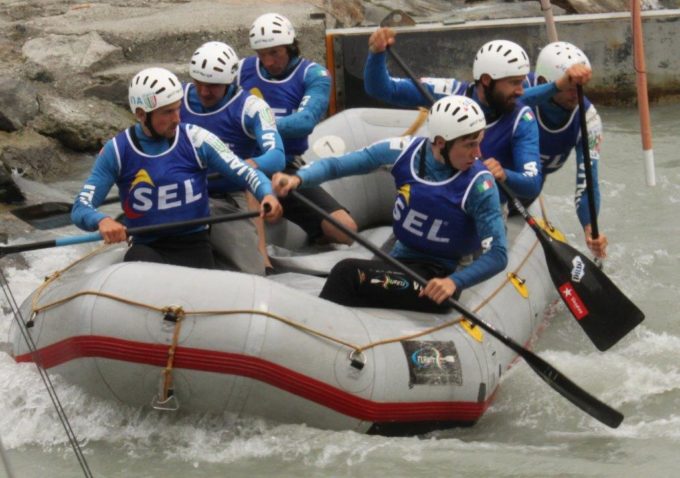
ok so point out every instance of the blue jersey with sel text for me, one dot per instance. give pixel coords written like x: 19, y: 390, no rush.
x: 430, y: 216
x: 162, y: 188
x: 556, y: 142
x: 283, y: 96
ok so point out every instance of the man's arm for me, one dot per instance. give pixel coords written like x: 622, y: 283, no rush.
x: 525, y: 178
x: 84, y: 213
x: 483, y: 206
x: 217, y: 156
x: 363, y: 161
x: 260, y: 122
x: 312, y: 107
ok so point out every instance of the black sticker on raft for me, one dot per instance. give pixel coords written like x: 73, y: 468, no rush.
x: 432, y: 363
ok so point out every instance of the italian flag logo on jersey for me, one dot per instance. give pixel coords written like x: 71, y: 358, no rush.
x: 484, y: 186
x: 528, y: 116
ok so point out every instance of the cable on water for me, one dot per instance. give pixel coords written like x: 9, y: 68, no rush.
x: 16, y: 312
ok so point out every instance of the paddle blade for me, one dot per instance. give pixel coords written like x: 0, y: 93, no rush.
x: 600, y: 308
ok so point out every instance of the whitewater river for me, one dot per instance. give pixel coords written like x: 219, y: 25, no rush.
x: 530, y: 431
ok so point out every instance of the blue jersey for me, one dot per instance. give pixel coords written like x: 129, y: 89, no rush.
x: 560, y: 133
x: 243, y: 122
x: 157, y: 189
x: 192, y: 151
x: 283, y: 96
x: 430, y: 216
x: 481, y: 204
x: 556, y: 143
x: 227, y: 122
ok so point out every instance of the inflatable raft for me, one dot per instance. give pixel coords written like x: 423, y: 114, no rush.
x: 185, y: 339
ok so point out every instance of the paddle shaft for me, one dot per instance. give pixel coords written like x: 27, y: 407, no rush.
x: 547, y: 372
x: 585, y: 145
x: 135, y: 231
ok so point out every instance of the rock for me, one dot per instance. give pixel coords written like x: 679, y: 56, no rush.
x: 9, y: 191
x: 81, y: 125
x: 33, y: 154
x: 18, y: 102
x: 68, y: 59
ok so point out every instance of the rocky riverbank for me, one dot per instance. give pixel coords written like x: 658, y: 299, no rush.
x: 64, y: 65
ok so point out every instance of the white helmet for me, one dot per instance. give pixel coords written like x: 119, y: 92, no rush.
x: 271, y: 29
x: 454, y: 116
x: 214, y: 62
x: 153, y: 88
x: 555, y: 58
x: 500, y: 59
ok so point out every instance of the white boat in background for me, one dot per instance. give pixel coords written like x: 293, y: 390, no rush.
x: 220, y: 341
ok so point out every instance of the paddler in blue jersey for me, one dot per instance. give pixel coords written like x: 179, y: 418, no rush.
x: 246, y: 124
x: 510, y: 147
x: 298, y: 90
x: 447, y: 207
x: 160, y: 167
x: 552, y: 95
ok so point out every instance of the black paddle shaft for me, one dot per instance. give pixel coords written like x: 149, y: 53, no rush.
x: 585, y: 144
x: 553, y: 377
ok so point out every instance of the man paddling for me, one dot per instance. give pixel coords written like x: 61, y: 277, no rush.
x: 298, y: 91
x: 447, y: 207
x: 510, y: 146
x: 159, y: 166
x: 246, y: 124
x: 552, y: 95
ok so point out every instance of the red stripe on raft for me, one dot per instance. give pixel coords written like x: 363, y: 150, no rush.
x: 258, y: 369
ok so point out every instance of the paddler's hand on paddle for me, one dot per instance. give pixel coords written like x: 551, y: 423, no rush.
x: 381, y: 39
x: 284, y: 183
x: 597, y: 246
x: 438, y: 289
x: 270, y: 208
x: 495, y: 168
x: 112, y: 231
x: 577, y: 74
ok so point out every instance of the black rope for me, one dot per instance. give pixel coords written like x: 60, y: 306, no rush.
x: 16, y: 312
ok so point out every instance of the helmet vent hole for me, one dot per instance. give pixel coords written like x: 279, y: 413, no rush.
x: 153, y: 83
x: 454, y: 112
x: 161, y: 90
x: 146, y: 78
x: 462, y: 118
x: 205, y: 62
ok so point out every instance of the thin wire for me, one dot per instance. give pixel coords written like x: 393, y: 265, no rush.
x: 16, y: 311
x: 5, y: 461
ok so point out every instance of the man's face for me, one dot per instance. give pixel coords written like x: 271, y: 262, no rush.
x: 274, y: 59
x: 209, y: 94
x: 567, y: 99
x: 464, y: 152
x: 504, y: 93
x: 165, y: 119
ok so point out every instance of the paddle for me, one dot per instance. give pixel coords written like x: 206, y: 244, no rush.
x: 96, y: 236
x: 601, y: 309
x: 595, y: 233
x: 553, y: 377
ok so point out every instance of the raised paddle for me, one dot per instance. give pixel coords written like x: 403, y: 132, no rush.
x: 553, y: 377
x: 601, y: 309
x: 595, y: 233
x: 96, y: 236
